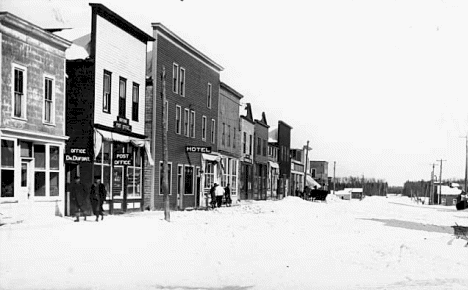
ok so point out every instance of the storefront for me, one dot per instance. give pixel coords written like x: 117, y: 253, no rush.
x: 212, y: 173
x: 230, y: 173
x: 31, y: 176
x: 117, y: 160
x: 260, y: 181
x: 273, y: 178
x: 297, y: 178
x: 246, y: 180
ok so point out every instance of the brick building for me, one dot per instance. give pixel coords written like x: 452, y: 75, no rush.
x: 260, y: 158
x: 319, y: 172
x: 280, y: 138
x: 32, y: 119
x: 106, y: 110
x: 192, y: 93
x: 229, y: 145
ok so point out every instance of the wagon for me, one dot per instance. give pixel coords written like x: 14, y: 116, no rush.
x: 461, y: 232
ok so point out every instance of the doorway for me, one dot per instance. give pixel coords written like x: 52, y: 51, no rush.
x: 25, y: 190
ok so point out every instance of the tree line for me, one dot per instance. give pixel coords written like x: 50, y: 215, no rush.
x: 370, y: 186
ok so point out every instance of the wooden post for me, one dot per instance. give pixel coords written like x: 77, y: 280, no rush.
x: 164, y: 172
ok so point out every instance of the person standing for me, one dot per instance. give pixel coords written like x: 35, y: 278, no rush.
x: 79, y: 197
x: 98, y: 196
x: 213, y: 196
x: 219, y: 192
x: 227, y: 195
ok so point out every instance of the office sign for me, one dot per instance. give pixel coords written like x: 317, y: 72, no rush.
x: 77, y: 155
x: 198, y: 149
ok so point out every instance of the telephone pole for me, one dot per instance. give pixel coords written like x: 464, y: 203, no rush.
x: 431, y: 188
x: 164, y: 171
x: 334, y: 168
x: 440, y: 180
x: 305, y: 168
x: 466, y: 160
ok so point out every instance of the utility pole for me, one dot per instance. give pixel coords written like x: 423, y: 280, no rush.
x: 334, y: 168
x: 164, y: 171
x: 440, y: 181
x: 305, y: 168
x: 466, y: 160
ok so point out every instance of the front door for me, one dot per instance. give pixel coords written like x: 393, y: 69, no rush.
x: 25, y: 191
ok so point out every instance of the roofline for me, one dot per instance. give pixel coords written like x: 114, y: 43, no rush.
x: 120, y: 22
x: 248, y: 120
x: 231, y: 90
x: 30, y: 28
x: 159, y: 27
x: 282, y: 122
x: 261, y: 123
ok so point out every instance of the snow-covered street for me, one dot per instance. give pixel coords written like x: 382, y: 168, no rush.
x: 376, y: 243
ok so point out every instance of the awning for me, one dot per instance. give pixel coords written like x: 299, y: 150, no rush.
x: 310, y: 182
x: 273, y: 164
x: 211, y: 157
x: 99, y: 135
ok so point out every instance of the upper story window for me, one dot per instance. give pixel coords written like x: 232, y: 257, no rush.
x: 122, y: 97
x: 213, y: 127
x: 178, y: 123
x: 48, y: 100
x: 182, y: 82
x: 192, y: 123
x: 229, y: 136
x: 244, y: 143
x: 166, y: 115
x: 313, y: 172
x: 250, y: 144
x: 259, y: 146
x: 186, y: 122
x: 175, y: 78
x: 264, y: 148
x: 224, y: 134
x: 234, y: 137
x: 208, y: 96
x: 106, y: 95
x: 204, y: 128
x: 19, y: 92
x: 135, y: 101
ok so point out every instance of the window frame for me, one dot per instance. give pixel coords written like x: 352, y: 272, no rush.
x: 175, y: 78
x: 24, y: 95
x: 51, y: 120
x: 104, y: 96
x: 182, y: 74
x: 204, y: 127
x: 213, y: 127
x: 186, y: 122
x: 135, y: 105
x: 209, y: 96
x: 178, y: 120
x: 192, y: 123
x: 123, y: 100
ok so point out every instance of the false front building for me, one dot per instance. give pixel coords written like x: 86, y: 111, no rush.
x: 105, y: 109
x: 191, y: 82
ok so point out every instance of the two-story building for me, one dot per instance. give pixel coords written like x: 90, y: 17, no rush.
x: 246, y: 180
x: 260, y: 158
x: 280, y: 137
x: 106, y: 110
x: 229, y: 143
x: 297, y: 171
x: 192, y: 82
x: 319, y: 172
x: 32, y: 119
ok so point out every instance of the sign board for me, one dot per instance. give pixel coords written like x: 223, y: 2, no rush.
x: 123, y: 159
x: 77, y: 155
x: 198, y: 149
x: 122, y: 124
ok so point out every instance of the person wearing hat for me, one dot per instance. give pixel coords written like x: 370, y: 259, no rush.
x: 98, y: 196
x: 213, y: 195
x: 79, y: 197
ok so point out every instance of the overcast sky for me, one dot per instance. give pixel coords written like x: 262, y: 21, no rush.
x: 380, y: 87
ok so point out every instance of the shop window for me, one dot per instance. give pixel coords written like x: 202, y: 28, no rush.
x: 39, y: 183
x: 54, y: 184
x: 117, y: 182
x: 169, y: 180
x: 134, y: 174
x: 54, y: 158
x: 102, y: 166
x: 8, y: 182
x: 209, y: 175
x: 188, y: 176
x: 233, y: 177
x: 39, y: 156
x: 7, y: 154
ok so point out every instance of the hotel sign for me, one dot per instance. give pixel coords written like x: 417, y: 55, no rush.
x: 122, y: 124
x: 198, y: 149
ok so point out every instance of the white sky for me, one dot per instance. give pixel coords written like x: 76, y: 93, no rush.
x: 377, y: 86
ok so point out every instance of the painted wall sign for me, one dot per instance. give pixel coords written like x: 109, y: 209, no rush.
x: 198, y: 149
x: 123, y: 159
x: 122, y: 124
x: 78, y: 155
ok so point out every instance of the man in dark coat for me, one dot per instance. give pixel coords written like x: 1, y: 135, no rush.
x: 213, y: 196
x: 227, y: 195
x: 79, y: 197
x: 98, y: 196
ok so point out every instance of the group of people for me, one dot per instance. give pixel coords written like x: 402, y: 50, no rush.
x: 217, y: 192
x: 81, y: 200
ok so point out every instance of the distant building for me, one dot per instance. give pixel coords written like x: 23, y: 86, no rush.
x: 32, y: 119
x: 246, y: 177
x: 282, y: 136
x: 260, y: 158
x: 319, y: 171
x: 297, y: 171
x: 273, y: 167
